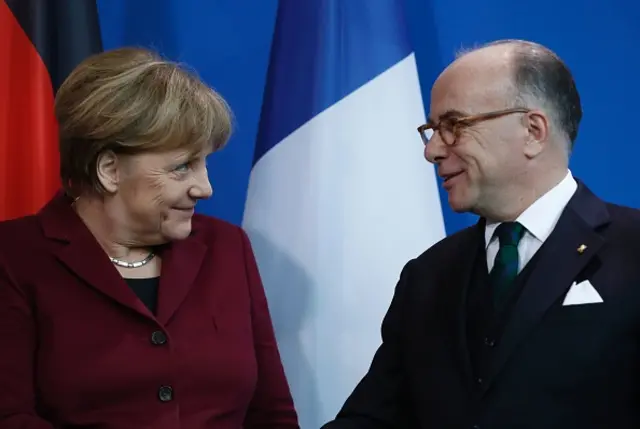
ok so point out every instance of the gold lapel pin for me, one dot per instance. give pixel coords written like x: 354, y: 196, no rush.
x: 582, y: 248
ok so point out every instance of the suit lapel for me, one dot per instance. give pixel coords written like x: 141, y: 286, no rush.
x: 558, y: 266
x: 80, y: 253
x: 459, y: 278
x: 181, y: 263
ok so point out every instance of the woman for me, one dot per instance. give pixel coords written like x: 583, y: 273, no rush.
x: 119, y: 307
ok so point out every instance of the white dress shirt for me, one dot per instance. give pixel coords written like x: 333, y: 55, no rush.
x: 539, y: 221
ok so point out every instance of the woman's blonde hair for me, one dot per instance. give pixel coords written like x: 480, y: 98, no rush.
x: 130, y: 100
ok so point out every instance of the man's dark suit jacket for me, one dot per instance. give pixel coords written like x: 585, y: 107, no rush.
x: 552, y: 367
x: 78, y: 349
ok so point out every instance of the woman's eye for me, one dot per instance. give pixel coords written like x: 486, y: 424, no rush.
x: 182, y: 168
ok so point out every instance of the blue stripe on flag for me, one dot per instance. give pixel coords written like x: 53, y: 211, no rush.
x: 323, y: 50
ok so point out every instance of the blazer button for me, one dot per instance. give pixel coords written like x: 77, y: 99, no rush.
x: 158, y: 338
x: 165, y: 393
x: 489, y: 342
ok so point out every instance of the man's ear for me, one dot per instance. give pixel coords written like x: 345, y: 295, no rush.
x: 537, y: 125
x: 107, y: 171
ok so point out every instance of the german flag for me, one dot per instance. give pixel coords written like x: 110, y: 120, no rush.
x: 41, y: 41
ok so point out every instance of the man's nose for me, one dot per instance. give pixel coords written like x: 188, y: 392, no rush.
x: 435, y: 150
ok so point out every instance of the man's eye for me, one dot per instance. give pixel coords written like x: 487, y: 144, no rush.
x: 449, y: 125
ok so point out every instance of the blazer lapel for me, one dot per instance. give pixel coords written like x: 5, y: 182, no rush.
x: 458, y: 279
x: 558, y: 265
x: 181, y: 262
x: 80, y: 252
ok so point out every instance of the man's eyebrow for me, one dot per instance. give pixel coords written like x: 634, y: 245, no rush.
x: 451, y: 113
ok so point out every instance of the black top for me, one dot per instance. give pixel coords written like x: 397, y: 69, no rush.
x: 147, y: 291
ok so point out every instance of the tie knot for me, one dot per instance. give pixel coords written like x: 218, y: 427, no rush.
x: 509, y: 233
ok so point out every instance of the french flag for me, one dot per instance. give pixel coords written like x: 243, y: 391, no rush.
x: 340, y: 196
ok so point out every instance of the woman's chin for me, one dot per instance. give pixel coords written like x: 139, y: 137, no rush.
x: 177, y: 230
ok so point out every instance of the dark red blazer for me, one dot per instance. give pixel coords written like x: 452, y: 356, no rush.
x: 78, y: 349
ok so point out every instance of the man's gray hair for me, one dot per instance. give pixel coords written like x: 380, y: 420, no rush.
x: 543, y: 80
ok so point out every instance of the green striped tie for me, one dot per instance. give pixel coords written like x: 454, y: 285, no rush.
x: 505, y: 266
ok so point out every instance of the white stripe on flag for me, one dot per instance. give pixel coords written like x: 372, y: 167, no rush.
x: 334, y: 211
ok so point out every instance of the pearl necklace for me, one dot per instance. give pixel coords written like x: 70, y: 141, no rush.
x: 136, y: 264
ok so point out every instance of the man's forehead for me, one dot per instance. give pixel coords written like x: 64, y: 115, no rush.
x: 452, y: 97
x: 470, y: 85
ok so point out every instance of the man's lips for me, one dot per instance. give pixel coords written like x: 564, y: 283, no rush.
x: 448, y: 178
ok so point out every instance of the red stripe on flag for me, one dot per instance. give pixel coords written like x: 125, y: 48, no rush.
x: 29, y: 159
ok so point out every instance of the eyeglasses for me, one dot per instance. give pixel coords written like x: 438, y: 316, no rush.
x: 449, y: 128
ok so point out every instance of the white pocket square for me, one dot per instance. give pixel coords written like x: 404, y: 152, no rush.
x: 582, y: 293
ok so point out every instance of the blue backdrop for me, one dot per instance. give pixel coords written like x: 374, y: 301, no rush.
x: 228, y: 43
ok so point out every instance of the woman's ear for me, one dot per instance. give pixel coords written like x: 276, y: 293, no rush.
x: 107, y: 171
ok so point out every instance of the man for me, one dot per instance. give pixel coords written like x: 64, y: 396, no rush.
x: 531, y: 318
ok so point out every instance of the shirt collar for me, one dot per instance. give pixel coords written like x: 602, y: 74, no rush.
x: 541, y: 217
